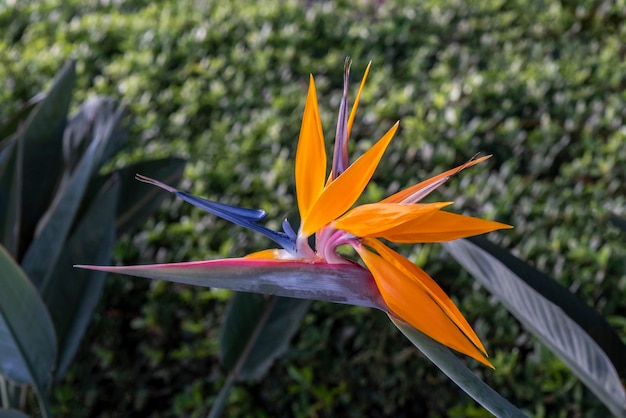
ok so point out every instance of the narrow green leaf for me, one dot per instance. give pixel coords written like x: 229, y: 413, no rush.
x: 43, y: 144
x: 56, y: 223
x: 27, y: 340
x: 443, y: 358
x: 72, y: 295
x: 532, y: 303
x: 10, y: 198
x: 586, y: 317
x: 257, y: 330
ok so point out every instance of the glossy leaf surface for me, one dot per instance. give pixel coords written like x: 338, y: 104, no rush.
x: 545, y: 319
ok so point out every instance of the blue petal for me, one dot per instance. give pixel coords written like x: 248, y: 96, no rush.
x: 289, y: 230
x: 245, y: 217
x: 252, y: 215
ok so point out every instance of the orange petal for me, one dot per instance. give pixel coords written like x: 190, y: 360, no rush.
x: 410, y: 302
x: 341, y: 194
x: 310, y: 155
x: 271, y: 254
x: 441, y: 226
x: 357, y: 99
x: 373, y: 219
x: 430, y: 286
x: 417, y: 192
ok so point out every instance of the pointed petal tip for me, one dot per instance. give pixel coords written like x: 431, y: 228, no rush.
x: 415, y: 306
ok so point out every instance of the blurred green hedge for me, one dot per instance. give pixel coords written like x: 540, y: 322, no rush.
x: 541, y: 85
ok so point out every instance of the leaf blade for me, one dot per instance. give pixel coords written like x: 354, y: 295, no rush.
x: 43, y: 131
x: 546, y: 320
x: 72, y: 295
x: 257, y: 330
x: 27, y: 339
x: 58, y: 219
x: 11, y: 175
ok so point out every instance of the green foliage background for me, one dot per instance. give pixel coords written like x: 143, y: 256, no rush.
x: 541, y: 85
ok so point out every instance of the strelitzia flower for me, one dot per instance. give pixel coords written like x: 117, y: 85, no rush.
x: 386, y: 280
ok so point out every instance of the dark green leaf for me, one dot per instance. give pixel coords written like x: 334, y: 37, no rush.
x: 257, y: 330
x: 27, y: 340
x: 72, y: 294
x: 10, y: 194
x: 10, y: 126
x: 119, y: 135
x: 545, y: 309
x: 56, y: 223
x: 43, y: 139
x: 6, y: 149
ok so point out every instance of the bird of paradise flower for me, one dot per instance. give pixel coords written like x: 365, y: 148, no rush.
x: 387, y: 281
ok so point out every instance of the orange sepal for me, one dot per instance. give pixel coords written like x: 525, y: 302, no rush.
x: 373, y: 219
x: 358, y: 99
x: 411, y: 303
x: 340, y: 194
x: 310, y: 155
x: 441, y: 178
x: 271, y: 254
x: 441, y: 226
x: 430, y: 286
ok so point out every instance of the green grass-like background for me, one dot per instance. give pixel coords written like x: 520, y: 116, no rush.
x: 541, y: 85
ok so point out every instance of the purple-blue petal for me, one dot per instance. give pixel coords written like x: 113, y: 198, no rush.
x: 340, y: 153
x: 247, y: 218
